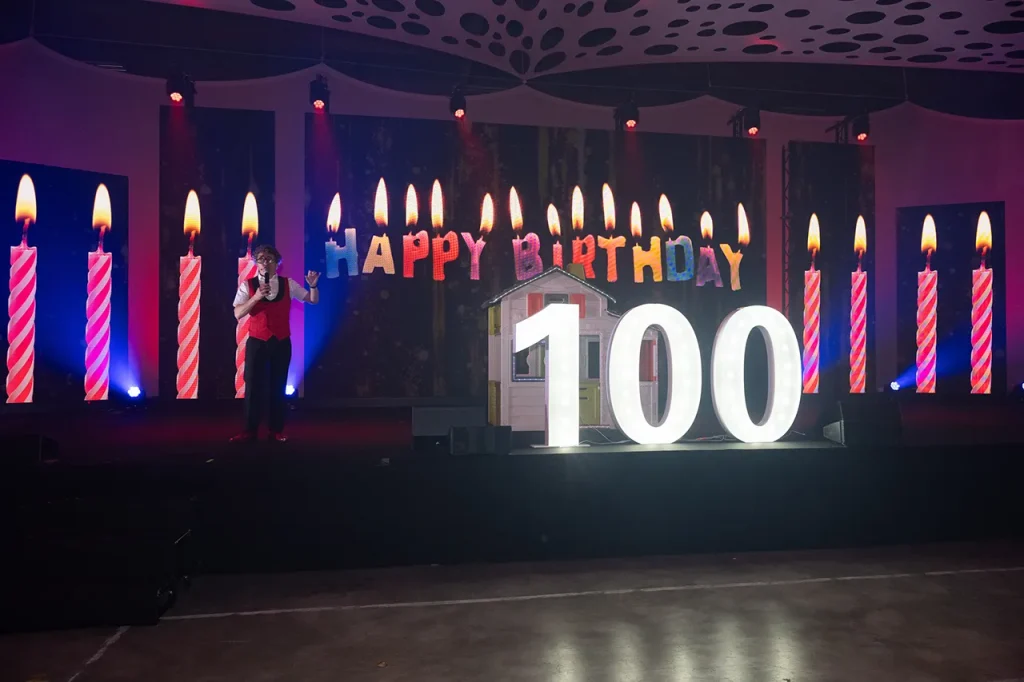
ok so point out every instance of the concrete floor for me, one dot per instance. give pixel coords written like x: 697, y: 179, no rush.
x: 908, y: 615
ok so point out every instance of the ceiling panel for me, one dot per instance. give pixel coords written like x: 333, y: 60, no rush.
x: 532, y: 37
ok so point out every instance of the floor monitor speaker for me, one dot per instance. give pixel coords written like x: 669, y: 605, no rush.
x: 875, y: 420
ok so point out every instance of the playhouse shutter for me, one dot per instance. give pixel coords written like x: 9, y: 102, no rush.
x: 534, y: 303
x: 581, y: 301
x: 647, y: 360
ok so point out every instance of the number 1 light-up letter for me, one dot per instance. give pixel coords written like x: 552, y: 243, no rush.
x: 559, y: 323
x: 784, y: 379
x: 684, y: 374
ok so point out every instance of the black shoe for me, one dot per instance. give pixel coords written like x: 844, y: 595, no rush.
x: 243, y: 437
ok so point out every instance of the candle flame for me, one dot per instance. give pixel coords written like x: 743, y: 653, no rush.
x: 742, y: 226
x: 983, y: 241
x: 250, y: 216
x: 608, y: 199
x: 860, y: 237
x: 665, y: 211
x: 412, y: 208
x: 515, y: 211
x: 553, y: 224
x: 487, y: 215
x: 814, y: 235
x: 192, y: 217
x: 577, y: 209
x: 25, y: 204
x: 380, y: 205
x: 635, y: 225
x: 928, y: 242
x: 436, y: 206
x: 334, y: 214
x: 101, y: 209
x: 707, y: 226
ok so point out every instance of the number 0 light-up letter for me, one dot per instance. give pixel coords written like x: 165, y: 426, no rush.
x: 684, y: 374
x: 727, y: 386
x: 559, y: 323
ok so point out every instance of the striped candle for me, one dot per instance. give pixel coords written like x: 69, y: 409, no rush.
x: 927, y: 311
x: 812, y: 310
x: 246, y: 271
x: 21, y: 305
x: 189, y: 290
x: 97, y: 306
x: 981, y: 312
x: 858, y: 313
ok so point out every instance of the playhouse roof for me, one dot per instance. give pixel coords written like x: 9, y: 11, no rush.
x: 549, y: 271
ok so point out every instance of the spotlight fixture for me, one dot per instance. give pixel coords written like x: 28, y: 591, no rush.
x: 746, y: 120
x: 181, y: 89
x: 320, y: 95
x: 894, y: 385
x: 627, y: 115
x: 289, y: 390
x: 134, y: 392
x: 860, y: 124
x: 861, y: 127
x: 457, y: 104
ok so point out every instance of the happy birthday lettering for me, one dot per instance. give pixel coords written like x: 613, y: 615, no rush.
x: 671, y: 259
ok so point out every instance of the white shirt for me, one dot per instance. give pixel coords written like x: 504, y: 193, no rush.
x: 295, y: 290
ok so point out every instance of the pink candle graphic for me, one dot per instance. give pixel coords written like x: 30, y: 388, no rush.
x: 651, y: 258
x: 246, y: 271
x: 21, y: 305
x: 927, y: 311
x: 556, y: 231
x: 812, y: 310
x: 611, y: 245
x: 525, y: 249
x: 582, y: 249
x: 97, y: 305
x: 415, y: 245
x: 445, y: 246
x: 189, y: 289
x: 858, y: 312
x: 476, y: 246
x: 981, y: 312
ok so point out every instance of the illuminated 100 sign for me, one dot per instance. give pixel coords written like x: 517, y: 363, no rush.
x: 560, y: 325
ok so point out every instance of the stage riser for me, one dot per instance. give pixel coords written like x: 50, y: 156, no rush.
x: 548, y: 507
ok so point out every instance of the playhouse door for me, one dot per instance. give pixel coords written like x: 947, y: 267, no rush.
x: 590, y: 380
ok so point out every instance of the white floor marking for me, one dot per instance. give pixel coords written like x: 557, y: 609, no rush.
x: 110, y: 641
x: 586, y: 593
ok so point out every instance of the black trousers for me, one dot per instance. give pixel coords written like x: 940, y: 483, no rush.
x: 266, y: 374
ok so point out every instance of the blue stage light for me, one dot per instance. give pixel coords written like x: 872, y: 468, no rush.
x: 895, y: 385
x: 289, y: 390
x: 134, y: 392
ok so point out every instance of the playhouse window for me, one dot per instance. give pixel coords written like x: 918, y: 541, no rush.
x: 555, y: 298
x: 528, y: 365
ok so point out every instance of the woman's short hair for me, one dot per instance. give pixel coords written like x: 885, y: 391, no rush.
x: 267, y: 250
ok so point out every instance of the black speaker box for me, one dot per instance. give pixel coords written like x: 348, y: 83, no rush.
x: 874, y: 421
x: 480, y: 440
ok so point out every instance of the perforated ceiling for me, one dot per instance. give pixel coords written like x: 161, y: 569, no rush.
x: 530, y: 37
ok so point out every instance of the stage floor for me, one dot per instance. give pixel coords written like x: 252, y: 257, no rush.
x: 707, y: 445
x: 916, y: 614
x: 182, y: 430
